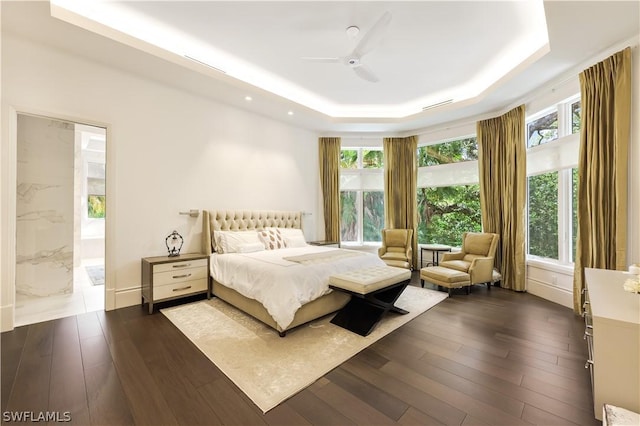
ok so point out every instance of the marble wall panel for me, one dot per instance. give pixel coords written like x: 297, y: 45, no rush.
x: 44, y: 206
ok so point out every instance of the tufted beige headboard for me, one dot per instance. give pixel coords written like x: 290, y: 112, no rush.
x: 242, y: 220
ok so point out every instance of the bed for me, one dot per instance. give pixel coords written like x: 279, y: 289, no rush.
x: 284, y: 284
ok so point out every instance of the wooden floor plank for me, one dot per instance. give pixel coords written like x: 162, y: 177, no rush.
x: 67, y: 390
x: 228, y: 405
x: 355, y: 409
x: 31, y: 388
x: 387, y: 404
x: 146, y: 402
x: 555, y: 406
x: 107, y: 401
x: 414, y: 416
x: 444, y: 412
x: 475, y: 407
x: 316, y: 411
x: 12, y: 344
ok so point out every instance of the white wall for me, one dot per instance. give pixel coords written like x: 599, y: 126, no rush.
x: 167, y: 151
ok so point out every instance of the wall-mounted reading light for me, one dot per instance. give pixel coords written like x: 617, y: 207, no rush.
x: 192, y: 213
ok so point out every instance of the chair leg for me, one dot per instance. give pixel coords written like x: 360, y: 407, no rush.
x: 449, y: 291
x: 489, y: 285
x: 422, y: 282
x: 468, y: 289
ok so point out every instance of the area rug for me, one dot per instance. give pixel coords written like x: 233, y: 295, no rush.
x: 270, y: 369
x: 96, y: 274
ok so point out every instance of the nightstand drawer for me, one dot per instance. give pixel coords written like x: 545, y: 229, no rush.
x: 176, y: 266
x: 178, y: 276
x: 179, y: 289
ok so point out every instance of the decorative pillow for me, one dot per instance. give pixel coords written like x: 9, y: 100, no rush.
x: 271, y: 239
x: 228, y: 241
x: 294, y: 241
x: 250, y: 247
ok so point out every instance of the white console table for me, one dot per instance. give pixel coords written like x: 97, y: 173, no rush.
x: 613, y: 322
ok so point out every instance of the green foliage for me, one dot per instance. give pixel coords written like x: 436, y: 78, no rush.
x: 445, y: 213
x: 372, y: 159
x: 542, y: 130
x: 448, y: 152
x: 543, y: 215
x: 348, y: 159
x: 373, y: 216
x: 96, y: 206
x: 348, y: 216
x: 576, y: 116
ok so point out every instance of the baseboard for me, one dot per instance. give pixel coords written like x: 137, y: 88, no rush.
x: 6, y: 318
x: 128, y: 297
x: 550, y: 292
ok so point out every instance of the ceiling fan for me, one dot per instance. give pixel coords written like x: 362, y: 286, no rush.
x: 366, y: 45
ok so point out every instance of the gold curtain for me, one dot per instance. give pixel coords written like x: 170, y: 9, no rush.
x: 400, y: 186
x: 602, y: 168
x: 329, y: 150
x: 503, y: 174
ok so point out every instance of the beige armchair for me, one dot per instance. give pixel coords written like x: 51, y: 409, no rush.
x: 396, y: 248
x: 476, y: 257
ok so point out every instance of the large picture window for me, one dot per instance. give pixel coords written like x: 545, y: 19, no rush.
x: 448, y: 191
x: 543, y: 215
x: 552, y: 158
x: 361, y: 195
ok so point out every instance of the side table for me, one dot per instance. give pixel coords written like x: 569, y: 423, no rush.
x: 435, y: 250
x: 165, y: 278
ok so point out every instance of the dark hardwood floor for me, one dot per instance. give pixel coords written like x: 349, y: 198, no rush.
x: 494, y: 357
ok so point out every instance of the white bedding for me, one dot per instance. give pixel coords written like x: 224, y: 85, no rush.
x: 283, y: 286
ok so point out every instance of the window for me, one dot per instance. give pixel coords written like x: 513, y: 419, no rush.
x: 543, y: 215
x: 448, y: 191
x: 95, y: 190
x: 361, y: 195
x: 552, y: 158
x: 576, y: 117
x: 542, y: 130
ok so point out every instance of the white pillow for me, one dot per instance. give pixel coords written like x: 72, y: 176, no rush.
x: 250, y: 247
x: 228, y: 241
x: 294, y: 241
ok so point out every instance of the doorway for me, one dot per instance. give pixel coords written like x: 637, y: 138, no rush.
x: 60, y: 219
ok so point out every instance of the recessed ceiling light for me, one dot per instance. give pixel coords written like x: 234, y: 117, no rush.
x: 290, y: 113
x: 248, y: 98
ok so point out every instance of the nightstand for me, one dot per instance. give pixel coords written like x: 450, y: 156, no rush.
x: 166, y: 278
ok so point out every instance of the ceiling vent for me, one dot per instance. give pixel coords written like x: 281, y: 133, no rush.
x: 439, y: 104
x: 204, y: 63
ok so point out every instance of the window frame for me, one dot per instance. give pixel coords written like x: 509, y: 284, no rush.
x: 442, y: 170
x: 565, y: 181
x: 360, y: 171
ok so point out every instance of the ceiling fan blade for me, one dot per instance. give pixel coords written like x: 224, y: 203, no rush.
x: 373, y: 36
x: 327, y: 60
x: 365, y: 73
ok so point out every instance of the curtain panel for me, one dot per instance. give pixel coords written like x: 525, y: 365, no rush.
x: 502, y: 166
x: 400, y: 186
x: 603, y: 168
x: 329, y: 155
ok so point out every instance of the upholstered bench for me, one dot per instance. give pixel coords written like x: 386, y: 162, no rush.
x: 445, y: 277
x: 373, y: 293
